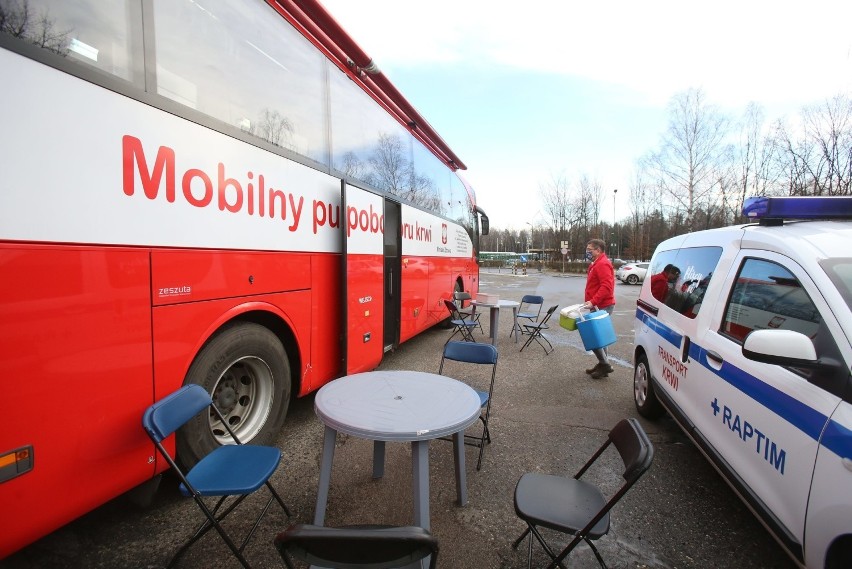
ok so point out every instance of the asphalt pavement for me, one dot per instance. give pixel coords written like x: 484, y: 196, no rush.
x: 547, y: 416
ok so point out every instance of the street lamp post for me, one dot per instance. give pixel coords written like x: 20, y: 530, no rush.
x: 532, y: 235
x: 618, y: 242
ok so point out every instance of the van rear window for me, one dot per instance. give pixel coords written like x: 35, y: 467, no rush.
x: 696, y: 266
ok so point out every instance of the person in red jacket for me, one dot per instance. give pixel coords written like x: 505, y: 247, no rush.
x: 600, y: 293
x: 661, y: 281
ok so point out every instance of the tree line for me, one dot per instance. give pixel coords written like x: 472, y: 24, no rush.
x: 705, y: 165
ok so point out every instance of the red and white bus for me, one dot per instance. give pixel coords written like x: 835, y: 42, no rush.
x: 219, y: 192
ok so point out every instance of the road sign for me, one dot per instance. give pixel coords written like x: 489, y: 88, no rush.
x: 564, y: 251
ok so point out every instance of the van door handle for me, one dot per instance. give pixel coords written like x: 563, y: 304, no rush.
x: 711, y: 355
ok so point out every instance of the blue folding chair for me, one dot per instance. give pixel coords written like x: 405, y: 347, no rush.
x: 468, y: 312
x: 535, y: 331
x: 529, y: 309
x: 460, y: 324
x: 231, y: 470
x: 479, y: 354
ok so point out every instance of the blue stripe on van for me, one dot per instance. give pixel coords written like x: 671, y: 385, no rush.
x: 837, y: 438
x: 654, y: 324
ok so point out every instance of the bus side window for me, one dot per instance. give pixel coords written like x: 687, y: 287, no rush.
x: 113, y: 45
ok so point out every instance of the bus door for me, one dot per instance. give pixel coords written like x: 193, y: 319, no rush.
x: 363, y: 278
x: 393, y: 270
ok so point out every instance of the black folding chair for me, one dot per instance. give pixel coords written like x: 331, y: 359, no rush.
x: 228, y: 471
x: 460, y: 324
x: 529, y: 309
x: 535, y: 331
x: 481, y: 355
x: 575, y: 506
x: 367, y: 547
x: 468, y: 312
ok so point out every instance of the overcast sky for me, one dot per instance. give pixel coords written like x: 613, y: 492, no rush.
x: 527, y: 91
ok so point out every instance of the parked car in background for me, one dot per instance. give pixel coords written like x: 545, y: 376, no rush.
x: 632, y: 273
x: 749, y: 352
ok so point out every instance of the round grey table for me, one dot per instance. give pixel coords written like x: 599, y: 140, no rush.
x: 389, y: 406
x: 495, y: 316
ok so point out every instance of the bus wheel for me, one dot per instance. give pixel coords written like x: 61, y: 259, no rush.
x: 445, y: 323
x: 246, y: 372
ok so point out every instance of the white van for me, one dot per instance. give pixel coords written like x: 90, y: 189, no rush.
x: 749, y: 351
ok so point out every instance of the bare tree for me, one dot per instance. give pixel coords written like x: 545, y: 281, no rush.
x: 828, y: 127
x: 558, y: 204
x: 275, y: 128
x: 588, y: 203
x: 641, y: 202
x: 689, y: 156
x: 389, y: 167
x: 352, y: 166
x: 391, y: 171
x: 17, y: 20
x: 755, y: 151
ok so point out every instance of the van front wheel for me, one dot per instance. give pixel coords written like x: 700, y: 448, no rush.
x: 643, y: 391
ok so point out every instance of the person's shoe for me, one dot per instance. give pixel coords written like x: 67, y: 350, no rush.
x: 600, y: 373
x: 605, y: 368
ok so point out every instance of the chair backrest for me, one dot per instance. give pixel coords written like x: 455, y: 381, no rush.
x: 532, y: 299
x: 469, y: 352
x: 531, y: 303
x: 635, y: 448
x: 473, y: 353
x: 453, y: 309
x: 550, y: 311
x: 461, y: 296
x: 373, y: 547
x: 170, y: 413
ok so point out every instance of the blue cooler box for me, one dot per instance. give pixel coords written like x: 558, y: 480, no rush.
x: 596, y: 330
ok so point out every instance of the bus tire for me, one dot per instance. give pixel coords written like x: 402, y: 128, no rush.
x: 245, y: 369
x: 446, y: 322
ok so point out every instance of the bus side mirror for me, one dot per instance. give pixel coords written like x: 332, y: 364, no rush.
x: 484, y: 224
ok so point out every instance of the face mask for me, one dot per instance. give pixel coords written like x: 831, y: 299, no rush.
x: 589, y: 255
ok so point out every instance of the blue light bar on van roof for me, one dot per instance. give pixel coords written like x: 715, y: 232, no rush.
x: 836, y: 207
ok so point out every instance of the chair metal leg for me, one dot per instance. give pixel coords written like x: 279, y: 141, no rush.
x: 274, y: 496
x: 538, y: 339
x: 529, y: 545
x: 467, y: 336
x: 278, y: 498
x: 521, y: 538
x: 456, y: 331
x: 528, y: 342
x: 557, y: 562
x: 595, y: 551
x: 529, y: 552
x: 213, y: 521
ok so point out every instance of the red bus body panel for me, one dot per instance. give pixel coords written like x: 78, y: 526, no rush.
x: 75, y: 342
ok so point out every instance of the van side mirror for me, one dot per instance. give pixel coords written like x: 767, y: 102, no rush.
x: 781, y: 347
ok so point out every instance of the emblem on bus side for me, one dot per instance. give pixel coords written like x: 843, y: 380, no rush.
x: 175, y: 290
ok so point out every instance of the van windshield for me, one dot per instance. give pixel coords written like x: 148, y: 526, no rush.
x: 840, y: 273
